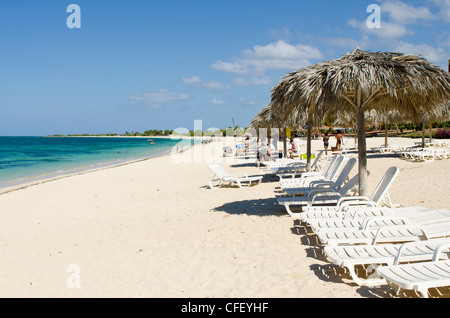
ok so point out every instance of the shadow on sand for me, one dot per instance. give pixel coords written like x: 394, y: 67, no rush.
x: 258, y: 207
x: 332, y: 273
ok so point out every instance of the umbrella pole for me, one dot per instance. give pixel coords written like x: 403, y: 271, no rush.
x: 423, y: 134
x: 431, y: 130
x: 362, y: 155
x: 284, y: 143
x: 308, y: 149
x: 385, y: 135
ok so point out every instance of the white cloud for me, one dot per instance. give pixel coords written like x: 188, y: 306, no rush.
x: 274, y: 56
x: 218, y: 102
x: 432, y: 54
x: 347, y: 42
x: 198, y: 82
x: 444, y: 40
x: 444, y: 9
x: 157, y: 99
x: 388, y: 30
x: 281, y: 34
x: 246, y: 102
x: 400, y: 12
x: 265, y: 80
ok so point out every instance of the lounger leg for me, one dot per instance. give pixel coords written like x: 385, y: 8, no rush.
x: 293, y: 214
x: 243, y: 185
x: 423, y: 291
x: 365, y: 282
x: 215, y: 187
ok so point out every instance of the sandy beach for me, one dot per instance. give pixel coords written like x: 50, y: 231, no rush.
x: 154, y: 229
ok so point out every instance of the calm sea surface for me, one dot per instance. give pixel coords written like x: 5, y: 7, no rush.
x: 25, y: 159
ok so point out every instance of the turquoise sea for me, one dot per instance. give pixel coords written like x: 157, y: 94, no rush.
x: 26, y: 159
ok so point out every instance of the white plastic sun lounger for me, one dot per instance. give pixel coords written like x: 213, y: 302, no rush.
x: 279, y: 163
x: 272, y: 167
x: 319, y: 196
x: 224, y: 177
x: 338, y: 210
x: 325, y: 184
x: 353, y: 256
x: 289, y: 166
x: 381, y: 149
x: 293, y: 171
x: 306, y: 177
x: 435, y: 225
x: 419, y: 276
x: 294, y: 178
x: 368, y: 217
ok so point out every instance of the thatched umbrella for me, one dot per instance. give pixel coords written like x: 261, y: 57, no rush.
x: 269, y: 119
x: 294, y: 119
x: 386, y: 116
x: 262, y: 119
x: 361, y: 81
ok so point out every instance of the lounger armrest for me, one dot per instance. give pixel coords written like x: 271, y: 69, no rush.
x: 310, y: 174
x: 296, y: 165
x: 348, y: 200
x: 351, y: 207
x: 396, y: 227
x: 321, y: 192
x: 368, y: 221
x: 356, y: 212
x: 330, y: 194
x: 321, y: 184
x: 285, y: 174
x: 439, y: 250
x: 418, y: 244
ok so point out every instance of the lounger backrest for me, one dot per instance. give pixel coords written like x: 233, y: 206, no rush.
x: 345, y: 171
x: 353, y: 182
x: 219, y: 171
x: 335, y: 168
x: 330, y: 166
x: 384, y: 184
x: 316, y: 162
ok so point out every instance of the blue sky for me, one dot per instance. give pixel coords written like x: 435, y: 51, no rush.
x: 141, y: 64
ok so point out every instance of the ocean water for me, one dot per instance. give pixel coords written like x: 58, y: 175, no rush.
x: 26, y: 159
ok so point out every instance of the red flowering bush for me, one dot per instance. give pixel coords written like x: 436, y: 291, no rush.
x: 442, y: 134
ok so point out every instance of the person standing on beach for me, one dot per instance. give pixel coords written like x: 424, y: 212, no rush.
x: 338, y: 140
x: 326, y: 143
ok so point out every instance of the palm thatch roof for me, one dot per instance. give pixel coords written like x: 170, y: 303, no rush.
x: 269, y: 117
x: 262, y: 119
x: 404, y: 82
x: 362, y: 81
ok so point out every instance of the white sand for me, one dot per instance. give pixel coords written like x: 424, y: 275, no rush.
x: 154, y: 229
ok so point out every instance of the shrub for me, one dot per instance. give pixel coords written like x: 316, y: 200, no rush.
x: 442, y: 134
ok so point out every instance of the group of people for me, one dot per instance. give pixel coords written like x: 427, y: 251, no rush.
x: 264, y: 151
x: 326, y: 141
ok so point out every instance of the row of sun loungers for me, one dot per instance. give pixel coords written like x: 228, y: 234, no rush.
x: 436, y: 150
x: 424, y: 154
x: 376, y: 242
x: 433, y: 143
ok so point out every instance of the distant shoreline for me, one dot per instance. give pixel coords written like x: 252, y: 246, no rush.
x: 121, y: 136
